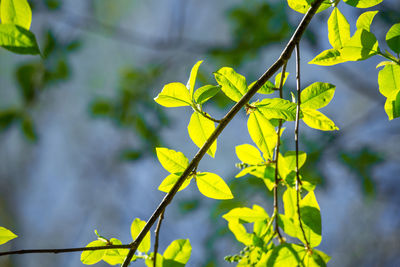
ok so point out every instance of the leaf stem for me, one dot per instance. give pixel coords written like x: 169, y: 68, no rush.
x: 397, y: 61
x: 157, y: 237
x: 205, y: 114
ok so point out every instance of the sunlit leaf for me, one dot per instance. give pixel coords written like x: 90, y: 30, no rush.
x: 267, y: 88
x: 171, y: 160
x: 311, y: 219
x: 249, y: 154
x: 205, y: 92
x: 338, y: 28
x: 277, y: 108
x: 278, y: 79
x: 6, y: 235
x: 232, y: 83
x: 213, y: 186
x: 392, y: 105
x: 246, y: 214
x: 240, y: 232
x: 362, y: 3
x: 178, y: 251
x: 362, y: 45
x: 116, y: 256
x: 328, y: 58
x: 18, y: 40
x: 192, y: 79
x: 282, y: 256
x: 150, y: 261
x: 262, y: 133
x: 302, y: 6
x: 389, y: 79
x: 169, y: 181
x: 317, y: 95
x: 200, y: 129
x: 136, y: 227
x: 393, y: 38
x: 90, y: 257
x: 16, y: 12
x: 174, y: 95
x: 287, y: 163
x: 364, y: 21
x: 315, y: 119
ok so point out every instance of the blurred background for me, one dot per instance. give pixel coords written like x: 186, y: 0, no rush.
x: 78, y: 129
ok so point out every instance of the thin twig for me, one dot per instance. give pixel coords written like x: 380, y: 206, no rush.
x: 157, y: 234
x: 296, y: 139
x: 205, y: 114
x: 63, y: 250
x: 276, y: 157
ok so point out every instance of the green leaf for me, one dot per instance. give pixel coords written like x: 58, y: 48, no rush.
x: 246, y: 214
x: 392, y: 105
x: 389, y: 79
x: 282, y: 256
x: 249, y: 154
x: 278, y: 79
x: 16, y: 12
x: 328, y: 58
x: 267, y: 88
x: 178, y: 251
x: 288, y: 162
x: 213, y: 186
x: 317, y: 95
x: 136, y: 227
x: 160, y: 260
x: 311, y: 219
x: 338, y: 28
x: 205, y: 92
x: 174, y: 95
x: 90, y: 257
x: 364, y: 21
x: 116, y: 256
x: 393, y: 38
x: 362, y: 3
x: 192, y: 79
x: 302, y: 6
x: 170, y: 181
x: 232, y: 84
x: 262, y: 133
x: 200, y: 129
x: 277, y: 108
x: 362, y: 45
x: 240, y: 232
x: 173, y: 161
x: 6, y: 235
x: 18, y: 40
x: 315, y: 119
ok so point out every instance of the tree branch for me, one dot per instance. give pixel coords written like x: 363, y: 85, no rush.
x: 285, y: 55
x: 157, y: 234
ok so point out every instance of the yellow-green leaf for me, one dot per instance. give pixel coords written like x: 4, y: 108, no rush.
x: 170, y: 181
x: 174, y: 95
x: 90, y: 257
x: 338, y: 28
x: 246, y: 214
x: 278, y: 79
x: 392, y: 105
x: 173, y: 161
x: 18, y: 40
x: 200, y: 129
x: 389, y: 79
x: 393, y: 38
x: 267, y: 88
x: 317, y: 95
x: 365, y: 19
x: 178, y: 251
x: 360, y: 46
x: 311, y: 220
x: 277, y: 108
x: 205, y: 92
x: 249, y: 154
x: 362, y: 3
x: 213, y: 186
x: 16, y: 12
x: 302, y: 6
x: 136, y: 227
x: 240, y: 232
x: 116, y: 256
x: 328, y: 58
x: 192, y: 79
x: 262, y: 133
x: 232, y: 83
x: 6, y: 235
x: 315, y: 119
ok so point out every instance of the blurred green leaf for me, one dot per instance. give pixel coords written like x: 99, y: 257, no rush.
x: 18, y: 40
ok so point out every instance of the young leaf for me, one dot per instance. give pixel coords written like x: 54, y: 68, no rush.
x: 362, y: 3
x: 205, y: 92
x: 262, y: 133
x: 170, y: 181
x: 150, y: 260
x: 311, y: 219
x: 393, y: 38
x: 232, y: 83
x: 171, y: 160
x: 174, y: 95
x: 362, y: 45
x: 338, y: 28
x: 16, y: 12
x: 288, y: 163
x: 115, y: 256
x: 392, y: 105
x: 315, y: 119
x: 18, y: 40
x: 137, y: 226
x: 249, y: 154
x: 266, y: 88
x: 317, y: 95
x: 200, y: 129
x: 192, y: 78
x: 246, y: 214
x: 389, y: 79
x: 328, y: 58
x: 365, y: 19
x: 213, y: 186
x: 277, y: 108
x: 178, y: 251
x: 302, y: 6
x: 283, y: 255
x: 278, y: 79
x: 90, y: 257
x: 6, y: 235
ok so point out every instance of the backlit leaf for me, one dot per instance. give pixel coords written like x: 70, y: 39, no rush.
x: 136, y: 227
x: 362, y: 3
x: 178, y: 251
x: 392, y: 106
x: 115, y: 256
x: 393, y: 38
x: 249, y: 154
x: 240, y: 232
x: 18, y: 40
x: 232, y: 83
x: 6, y: 235
x: 171, y: 160
x: 365, y: 19
x: 262, y: 133
x: 315, y: 119
x: 205, y: 92
x: 328, y: 58
x: 213, y: 186
x: 311, y: 219
x: 246, y: 214
x: 200, y: 129
x: 361, y: 46
x: 90, y: 257
x: 266, y: 88
x: 302, y: 6
x: 338, y: 28
x: 16, y: 12
x: 174, y: 95
x: 317, y: 95
x: 169, y: 181
x: 278, y: 79
x: 192, y: 79
x: 389, y: 79
x: 277, y: 108
x: 283, y: 255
